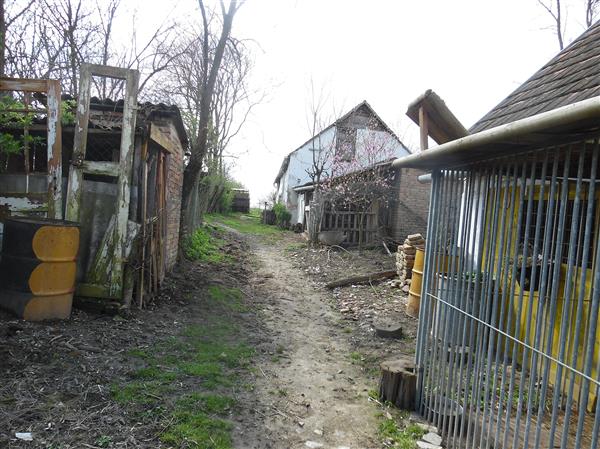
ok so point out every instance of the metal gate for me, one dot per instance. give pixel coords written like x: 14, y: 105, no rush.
x: 508, y: 348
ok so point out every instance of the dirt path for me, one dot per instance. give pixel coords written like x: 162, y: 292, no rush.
x: 308, y: 392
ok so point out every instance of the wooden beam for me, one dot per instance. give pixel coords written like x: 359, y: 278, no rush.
x: 159, y: 137
x: 424, y: 128
x: 101, y: 168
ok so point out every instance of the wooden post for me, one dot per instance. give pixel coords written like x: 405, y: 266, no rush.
x: 424, y: 128
x: 144, y: 199
x: 398, y: 383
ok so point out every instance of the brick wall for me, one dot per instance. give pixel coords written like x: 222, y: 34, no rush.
x: 174, y: 165
x: 411, y: 206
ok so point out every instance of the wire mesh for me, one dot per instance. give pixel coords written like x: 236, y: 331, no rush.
x: 508, y: 346
x: 103, y: 146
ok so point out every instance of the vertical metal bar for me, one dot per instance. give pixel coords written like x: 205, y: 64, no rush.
x: 596, y: 429
x: 530, y: 198
x: 440, y: 352
x: 472, y: 222
x: 547, y: 244
x: 431, y: 331
x: 484, y: 313
x: 486, y: 287
x: 481, y: 223
x: 566, y: 315
x: 466, y: 216
x: 509, y: 292
x: 590, y: 344
x: 422, y: 330
x: 502, y: 260
x: 450, y: 315
x: 585, y: 263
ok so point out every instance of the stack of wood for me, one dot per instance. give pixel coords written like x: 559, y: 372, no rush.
x: 405, y: 259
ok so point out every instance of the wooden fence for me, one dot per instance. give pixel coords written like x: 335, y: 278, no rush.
x: 349, y: 222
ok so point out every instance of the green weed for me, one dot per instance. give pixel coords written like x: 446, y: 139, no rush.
x: 402, y: 439
x: 203, y: 246
x: 230, y: 298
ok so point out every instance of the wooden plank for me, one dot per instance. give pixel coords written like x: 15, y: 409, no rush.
x: 54, y: 142
x: 159, y: 137
x: 24, y: 84
x: 126, y: 162
x: 101, y: 168
x: 75, y: 185
x: 140, y: 284
x: 424, y: 128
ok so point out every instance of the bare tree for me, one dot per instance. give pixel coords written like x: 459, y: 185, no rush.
x: 51, y: 38
x: 554, y: 9
x: 208, y: 79
x: 322, y: 154
x: 591, y: 11
x: 5, y: 25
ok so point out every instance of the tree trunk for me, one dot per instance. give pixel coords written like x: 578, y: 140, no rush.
x: 314, y: 218
x: 398, y: 383
x: 192, y: 171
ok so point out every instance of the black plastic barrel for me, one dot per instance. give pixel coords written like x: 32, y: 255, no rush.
x: 38, y: 267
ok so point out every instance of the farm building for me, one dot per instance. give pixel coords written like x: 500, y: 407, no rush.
x: 508, y: 348
x: 116, y: 170
x: 361, y: 138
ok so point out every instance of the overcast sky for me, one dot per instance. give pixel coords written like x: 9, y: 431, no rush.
x: 473, y: 53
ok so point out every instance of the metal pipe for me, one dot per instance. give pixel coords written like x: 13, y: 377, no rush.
x: 582, y: 110
x: 424, y: 179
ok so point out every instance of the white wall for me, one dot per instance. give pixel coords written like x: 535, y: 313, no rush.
x: 300, y: 164
x: 301, y: 161
x: 391, y: 146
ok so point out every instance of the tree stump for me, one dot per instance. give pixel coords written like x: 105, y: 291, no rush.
x: 398, y: 383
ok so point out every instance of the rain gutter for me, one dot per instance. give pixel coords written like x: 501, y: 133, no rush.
x: 564, y: 115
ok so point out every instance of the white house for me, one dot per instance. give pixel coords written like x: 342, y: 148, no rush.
x: 347, y: 137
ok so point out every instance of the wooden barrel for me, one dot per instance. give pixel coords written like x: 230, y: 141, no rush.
x: 38, y: 267
x: 414, y: 294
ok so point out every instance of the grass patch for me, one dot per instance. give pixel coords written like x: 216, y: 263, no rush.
x: 186, y: 382
x: 202, y: 245
x: 245, y: 223
x: 368, y: 363
x: 401, y: 438
x: 229, y: 298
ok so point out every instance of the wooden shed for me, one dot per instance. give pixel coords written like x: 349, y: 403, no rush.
x: 115, y: 167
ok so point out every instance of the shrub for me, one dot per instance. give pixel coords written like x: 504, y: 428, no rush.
x: 282, y: 215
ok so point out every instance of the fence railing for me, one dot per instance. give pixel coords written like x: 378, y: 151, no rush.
x: 508, y: 349
x: 350, y: 223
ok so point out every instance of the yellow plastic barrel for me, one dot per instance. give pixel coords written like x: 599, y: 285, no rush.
x: 38, y: 267
x: 414, y: 293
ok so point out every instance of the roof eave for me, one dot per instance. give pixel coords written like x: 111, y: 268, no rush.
x: 465, y: 149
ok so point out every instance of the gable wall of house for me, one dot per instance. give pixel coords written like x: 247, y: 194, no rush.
x: 301, y: 160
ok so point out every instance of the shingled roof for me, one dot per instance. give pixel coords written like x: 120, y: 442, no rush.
x: 571, y: 76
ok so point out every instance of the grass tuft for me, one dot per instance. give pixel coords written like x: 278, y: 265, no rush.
x: 203, y: 246
x: 401, y: 438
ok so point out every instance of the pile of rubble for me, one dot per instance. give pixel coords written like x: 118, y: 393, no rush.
x: 405, y: 259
